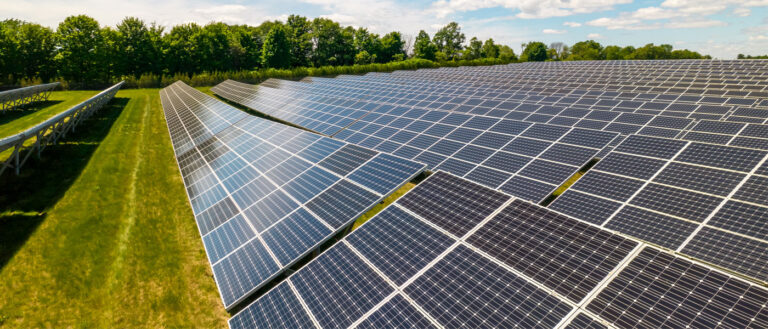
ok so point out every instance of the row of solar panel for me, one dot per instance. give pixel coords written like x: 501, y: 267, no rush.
x: 741, y: 90
x: 521, y: 158
x: 564, y: 94
x: 454, y: 254
x: 265, y: 194
x: 697, y: 73
x: 306, y: 111
x: 708, y: 201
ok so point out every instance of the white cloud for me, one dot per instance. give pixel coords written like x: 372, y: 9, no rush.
x: 553, y: 31
x: 594, y: 36
x: 527, y: 8
x: 742, y: 11
x: 676, y: 14
x: 572, y: 24
x: 758, y: 37
x: 694, y: 24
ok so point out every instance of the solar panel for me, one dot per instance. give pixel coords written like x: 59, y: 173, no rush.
x: 520, y: 265
x: 264, y: 194
x: 691, y: 197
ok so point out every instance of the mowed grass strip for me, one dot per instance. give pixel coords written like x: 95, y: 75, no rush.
x: 99, y: 233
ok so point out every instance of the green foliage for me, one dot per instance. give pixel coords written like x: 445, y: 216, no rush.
x: 423, y: 47
x: 364, y: 57
x: 589, y: 50
x: 507, y: 54
x: 534, y: 52
x: 392, y: 45
x: 742, y: 56
x: 80, y: 40
x: 333, y: 45
x: 83, y: 54
x: 300, y: 29
x: 367, y: 42
x: 490, y: 49
x: 449, y: 40
x: 474, y: 50
x: 276, y: 52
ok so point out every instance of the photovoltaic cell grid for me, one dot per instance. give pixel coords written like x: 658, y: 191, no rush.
x: 265, y: 194
x: 625, y: 117
x: 708, y: 201
x: 501, y: 262
x: 636, y: 109
x: 523, y: 159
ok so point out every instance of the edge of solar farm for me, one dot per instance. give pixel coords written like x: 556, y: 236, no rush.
x: 453, y: 253
x: 375, y: 194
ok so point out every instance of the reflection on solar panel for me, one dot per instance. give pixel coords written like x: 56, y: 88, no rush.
x: 265, y: 194
x: 500, y: 262
x: 705, y: 200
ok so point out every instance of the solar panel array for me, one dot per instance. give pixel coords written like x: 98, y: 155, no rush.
x: 455, y: 254
x: 668, y: 229
x: 526, y: 128
x: 708, y: 201
x: 528, y: 160
x: 264, y: 194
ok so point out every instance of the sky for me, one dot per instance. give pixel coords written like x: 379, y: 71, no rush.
x: 721, y: 28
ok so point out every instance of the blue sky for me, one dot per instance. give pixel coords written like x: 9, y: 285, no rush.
x: 721, y: 28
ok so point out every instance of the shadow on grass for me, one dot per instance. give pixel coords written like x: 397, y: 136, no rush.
x: 23, y: 111
x: 26, y: 199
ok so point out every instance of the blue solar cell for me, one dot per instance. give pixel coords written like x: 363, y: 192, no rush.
x: 431, y: 159
x: 651, y: 146
x: 310, y: 183
x: 320, y: 149
x: 287, y: 170
x: 385, y: 173
x: 466, y: 290
x: 225, y: 238
x: 456, y: 167
x: 585, y: 207
x: 278, y: 308
x: 650, y: 226
x: 349, y: 288
x: 269, y: 210
x: 549, y: 172
x: 398, y: 244
x: 527, y: 146
x: 253, y: 191
x: 507, y: 162
x: 527, y: 189
x: 295, y: 235
x: 487, y: 176
x: 243, y: 271
x: 342, y: 203
x: 446, y: 147
x: 396, y: 313
x: 474, y: 154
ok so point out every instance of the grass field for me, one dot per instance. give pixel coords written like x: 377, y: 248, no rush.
x: 98, y: 233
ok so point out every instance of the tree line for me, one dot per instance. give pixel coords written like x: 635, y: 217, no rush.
x: 742, y: 56
x: 82, y: 52
x: 593, y: 50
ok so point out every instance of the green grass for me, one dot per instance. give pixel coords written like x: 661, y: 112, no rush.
x: 383, y: 204
x: 99, y: 233
x: 17, y: 120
